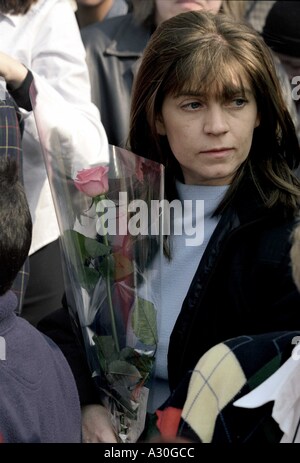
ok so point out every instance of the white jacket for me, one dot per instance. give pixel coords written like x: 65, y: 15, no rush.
x: 48, y: 42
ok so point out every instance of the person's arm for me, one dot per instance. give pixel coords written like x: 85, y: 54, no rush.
x: 18, y: 80
x: 96, y: 425
x: 60, y: 92
x: 12, y: 71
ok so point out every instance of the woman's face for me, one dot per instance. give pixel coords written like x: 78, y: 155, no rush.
x: 210, y: 135
x: 166, y: 9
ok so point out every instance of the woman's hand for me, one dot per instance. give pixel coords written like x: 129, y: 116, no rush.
x: 12, y: 71
x: 96, y: 425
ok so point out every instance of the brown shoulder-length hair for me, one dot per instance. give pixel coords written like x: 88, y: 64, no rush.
x: 192, y: 53
x: 144, y: 10
x: 16, y: 6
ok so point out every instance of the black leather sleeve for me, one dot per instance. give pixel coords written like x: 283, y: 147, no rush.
x: 21, y: 94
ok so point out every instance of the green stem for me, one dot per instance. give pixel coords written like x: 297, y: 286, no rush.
x: 108, y: 288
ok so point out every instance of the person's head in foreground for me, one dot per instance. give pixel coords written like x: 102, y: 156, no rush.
x: 15, y: 224
x: 39, y: 400
x: 208, y: 105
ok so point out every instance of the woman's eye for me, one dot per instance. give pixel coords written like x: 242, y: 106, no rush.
x: 239, y: 102
x: 192, y: 105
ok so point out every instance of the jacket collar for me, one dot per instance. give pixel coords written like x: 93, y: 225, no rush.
x: 13, y: 19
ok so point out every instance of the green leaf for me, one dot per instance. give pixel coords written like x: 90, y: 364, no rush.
x: 106, y: 351
x: 144, y: 322
x: 75, y: 243
x: 88, y: 278
x: 82, y: 247
x: 127, y: 353
x: 82, y: 250
x: 119, y: 370
x: 143, y: 362
x: 96, y: 249
x: 107, y: 267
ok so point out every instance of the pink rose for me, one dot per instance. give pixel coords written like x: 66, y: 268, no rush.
x: 93, y: 182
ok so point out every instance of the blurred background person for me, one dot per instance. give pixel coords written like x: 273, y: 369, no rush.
x: 41, y: 51
x: 91, y: 11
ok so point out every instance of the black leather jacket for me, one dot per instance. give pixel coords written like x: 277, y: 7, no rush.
x: 243, y: 285
x: 113, y: 48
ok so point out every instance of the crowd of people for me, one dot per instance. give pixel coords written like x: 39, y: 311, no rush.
x: 208, y: 91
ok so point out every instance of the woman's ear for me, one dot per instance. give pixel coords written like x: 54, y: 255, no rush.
x: 160, y: 126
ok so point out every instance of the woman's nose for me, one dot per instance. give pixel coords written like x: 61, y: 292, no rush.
x: 215, y: 120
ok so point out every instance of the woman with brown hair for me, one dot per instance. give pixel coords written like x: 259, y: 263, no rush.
x: 208, y: 105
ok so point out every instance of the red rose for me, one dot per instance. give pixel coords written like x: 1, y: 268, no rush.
x: 93, y: 182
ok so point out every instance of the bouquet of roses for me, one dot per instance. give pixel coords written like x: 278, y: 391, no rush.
x: 109, y: 218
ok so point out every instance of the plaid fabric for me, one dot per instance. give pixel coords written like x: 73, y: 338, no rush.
x: 10, y: 146
x: 10, y: 130
x: 201, y: 408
